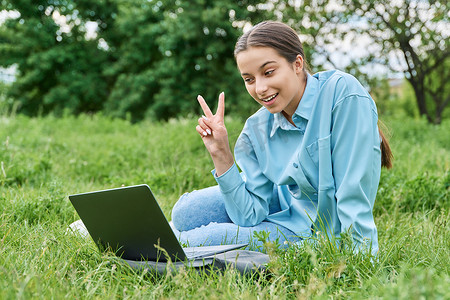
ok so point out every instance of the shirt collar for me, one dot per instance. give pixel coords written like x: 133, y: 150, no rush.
x: 304, y: 108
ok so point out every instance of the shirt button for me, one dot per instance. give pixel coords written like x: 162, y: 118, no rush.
x: 295, y: 165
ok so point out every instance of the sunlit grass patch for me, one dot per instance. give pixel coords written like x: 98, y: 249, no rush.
x: 46, y: 159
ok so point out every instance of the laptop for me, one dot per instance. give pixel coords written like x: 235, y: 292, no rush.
x: 129, y: 221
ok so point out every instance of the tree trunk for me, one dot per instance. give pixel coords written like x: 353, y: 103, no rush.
x: 440, y: 109
x: 419, y: 92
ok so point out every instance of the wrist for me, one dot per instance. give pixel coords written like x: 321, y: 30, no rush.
x: 221, y: 154
x: 222, y: 163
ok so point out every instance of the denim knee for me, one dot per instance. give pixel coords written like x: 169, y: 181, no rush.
x: 178, y: 213
x: 198, y: 208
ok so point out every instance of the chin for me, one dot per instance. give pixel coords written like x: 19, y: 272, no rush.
x: 273, y: 110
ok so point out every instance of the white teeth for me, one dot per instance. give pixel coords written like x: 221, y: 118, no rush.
x: 270, y: 98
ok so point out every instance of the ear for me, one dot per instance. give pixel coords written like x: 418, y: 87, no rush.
x: 298, y: 64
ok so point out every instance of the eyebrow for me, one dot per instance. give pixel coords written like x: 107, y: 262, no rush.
x: 262, y: 66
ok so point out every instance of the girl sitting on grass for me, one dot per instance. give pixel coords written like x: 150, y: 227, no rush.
x: 310, y: 157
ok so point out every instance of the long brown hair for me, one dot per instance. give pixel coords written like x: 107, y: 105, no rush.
x: 286, y: 42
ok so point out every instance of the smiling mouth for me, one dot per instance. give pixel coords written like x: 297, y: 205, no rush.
x: 268, y: 99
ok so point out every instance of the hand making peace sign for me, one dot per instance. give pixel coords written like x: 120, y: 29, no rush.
x: 214, y: 135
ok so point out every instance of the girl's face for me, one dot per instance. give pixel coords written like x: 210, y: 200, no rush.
x: 271, y: 80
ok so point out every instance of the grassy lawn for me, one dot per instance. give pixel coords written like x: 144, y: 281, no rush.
x: 45, y: 159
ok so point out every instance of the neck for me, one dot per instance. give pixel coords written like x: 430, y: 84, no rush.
x: 288, y: 115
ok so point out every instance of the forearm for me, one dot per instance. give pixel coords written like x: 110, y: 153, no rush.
x: 223, y: 160
x: 245, y: 205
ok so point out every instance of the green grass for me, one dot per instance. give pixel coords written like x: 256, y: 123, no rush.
x: 45, y: 159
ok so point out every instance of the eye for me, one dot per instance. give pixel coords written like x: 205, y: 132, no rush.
x: 248, y: 80
x: 269, y: 72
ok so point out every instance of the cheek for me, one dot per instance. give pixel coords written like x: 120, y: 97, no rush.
x: 250, y: 90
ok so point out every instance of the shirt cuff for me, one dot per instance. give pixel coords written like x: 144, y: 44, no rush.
x: 228, y: 180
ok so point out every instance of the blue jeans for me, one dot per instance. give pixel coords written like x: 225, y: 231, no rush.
x: 200, y: 218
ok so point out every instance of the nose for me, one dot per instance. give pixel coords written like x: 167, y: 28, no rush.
x: 261, y: 87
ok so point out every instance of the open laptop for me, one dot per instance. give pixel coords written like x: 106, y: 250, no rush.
x: 129, y: 221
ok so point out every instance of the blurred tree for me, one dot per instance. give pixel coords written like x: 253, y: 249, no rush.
x: 59, y: 68
x: 409, y: 36
x: 175, y: 50
x: 140, y: 59
x: 198, y: 46
x: 135, y: 51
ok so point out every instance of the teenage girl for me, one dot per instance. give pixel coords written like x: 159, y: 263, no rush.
x: 309, y: 159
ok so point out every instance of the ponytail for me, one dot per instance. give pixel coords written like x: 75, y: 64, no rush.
x: 386, y: 153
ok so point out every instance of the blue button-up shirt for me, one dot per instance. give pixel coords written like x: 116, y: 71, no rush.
x: 323, y: 172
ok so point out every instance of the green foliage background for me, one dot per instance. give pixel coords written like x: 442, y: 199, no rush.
x: 150, y: 59
x: 45, y: 159
x: 147, y: 62
x: 146, y: 59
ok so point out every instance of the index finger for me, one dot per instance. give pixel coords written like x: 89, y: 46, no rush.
x: 204, y: 106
